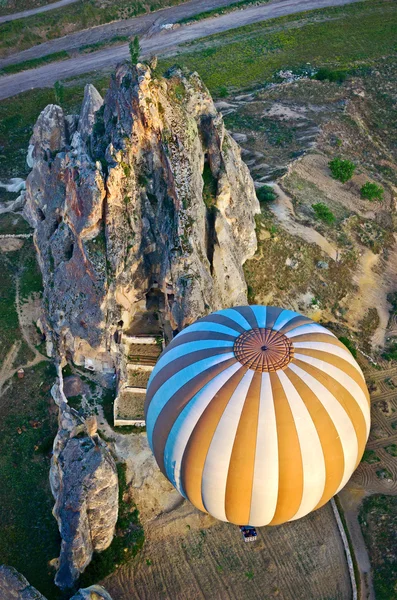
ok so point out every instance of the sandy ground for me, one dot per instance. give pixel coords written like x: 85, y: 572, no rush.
x: 155, y: 41
x: 190, y: 555
x: 283, y: 209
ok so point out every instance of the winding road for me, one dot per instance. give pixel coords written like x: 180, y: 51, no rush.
x: 155, y: 41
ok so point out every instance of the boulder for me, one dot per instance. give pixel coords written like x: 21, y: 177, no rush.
x: 14, y: 586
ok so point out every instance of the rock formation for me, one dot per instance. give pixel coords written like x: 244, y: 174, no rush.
x: 146, y: 192
x: 142, y: 194
x: 94, y: 592
x: 14, y: 586
x: 84, y: 483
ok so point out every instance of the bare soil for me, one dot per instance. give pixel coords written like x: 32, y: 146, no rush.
x: 190, y: 555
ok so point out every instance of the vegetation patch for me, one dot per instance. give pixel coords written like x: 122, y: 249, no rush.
x: 29, y: 536
x: 392, y: 449
x: 34, y: 62
x: 84, y: 14
x: 371, y: 191
x: 266, y: 194
x: 216, y: 12
x: 343, y: 37
x: 378, y: 520
x: 323, y: 213
x: 370, y: 457
x: 341, y: 169
x: 349, y: 345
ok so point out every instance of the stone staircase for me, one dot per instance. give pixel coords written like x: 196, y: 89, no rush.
x: 141, y: 354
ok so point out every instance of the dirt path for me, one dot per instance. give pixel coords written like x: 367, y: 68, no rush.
x: 35, y: 11
x: 7, y: 370
x: 157, y: 42
x: 375, y: 281
x: 350, y: 499
x: 283, y: 209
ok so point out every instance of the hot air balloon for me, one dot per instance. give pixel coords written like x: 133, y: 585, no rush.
x: 257, y: 415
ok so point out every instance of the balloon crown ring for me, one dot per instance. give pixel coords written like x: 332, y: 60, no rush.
x: 263, y: 349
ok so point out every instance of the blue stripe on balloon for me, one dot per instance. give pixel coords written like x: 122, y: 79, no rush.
x: 209, y: 326
x: 260, y: 314
x: 285, y: 317
x: 174, y: 383
x: 236, y: 316
x: 188, y: 348
x: 211, y: 388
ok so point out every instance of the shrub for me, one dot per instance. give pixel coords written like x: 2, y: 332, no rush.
x: 371, y: 191
x: 324, y: 73
x: 135, y: 50
x: 349, y: 345
x: 342, y: 169
x: 323, y: 213
x: 266, y: 194
x: 59, y: 93
x: 223, y: 92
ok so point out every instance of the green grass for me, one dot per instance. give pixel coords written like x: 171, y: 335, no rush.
x: 323, y: 213
x: 215, y: 12
x: 370, y: 457
x: 9, y: 327
x: 12, y: 223
x: 34, y: 62
x: 392, y: 449
x: 24, y: 33
x: 378, y: 520
x: 19, y: 114
x: 28, y: 532
x: 349, y: 345
x: 340, y: 37
x: 210, y: 186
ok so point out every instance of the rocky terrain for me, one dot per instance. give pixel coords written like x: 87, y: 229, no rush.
x: 152, y: 198
x: 14, y: 586
x: 84, y: 483
x: 141, y: 200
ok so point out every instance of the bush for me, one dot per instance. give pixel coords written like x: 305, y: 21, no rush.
x: 342, y: 169
x: 328, y: 74
x: 323, y: 213
x: 349, y: 345
x: 371, y: 191
x: 135, y: 50
x: 266, y: 194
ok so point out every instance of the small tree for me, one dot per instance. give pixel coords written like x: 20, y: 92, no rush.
x: 59, y: 93
x: 371, y: 191
x: 323, y: 213
x: 266, y: 194
x: 135, y: 50
x: 342, y: 169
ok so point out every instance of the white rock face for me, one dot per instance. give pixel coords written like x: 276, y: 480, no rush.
x: 84, y: 483
x: 145, y: 191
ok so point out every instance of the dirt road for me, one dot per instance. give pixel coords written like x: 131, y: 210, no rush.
x: 34, y: 11
x: 155, y: 42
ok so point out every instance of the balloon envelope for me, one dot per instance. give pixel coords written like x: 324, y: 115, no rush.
x: 257, y: 414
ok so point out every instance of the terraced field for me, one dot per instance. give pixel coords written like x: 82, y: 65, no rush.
x: 190, y: 555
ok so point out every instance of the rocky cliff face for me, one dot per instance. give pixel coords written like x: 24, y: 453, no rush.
x: 84, y: 483
x: 145, y: 192
x: 14, y: 586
